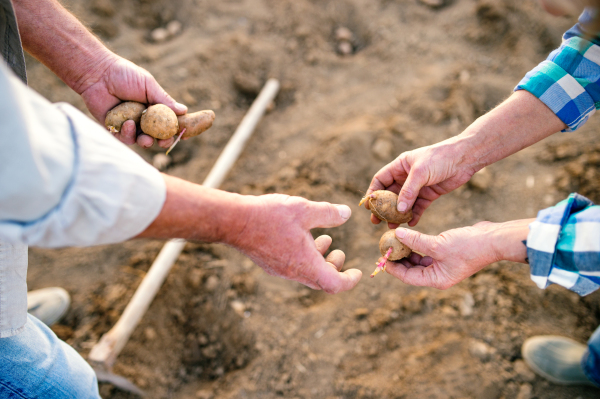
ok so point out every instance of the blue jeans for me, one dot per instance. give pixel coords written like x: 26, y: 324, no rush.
x: 36, y: 364
x: 591, y: 359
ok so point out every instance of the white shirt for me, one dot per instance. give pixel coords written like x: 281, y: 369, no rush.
x: 64, y: 181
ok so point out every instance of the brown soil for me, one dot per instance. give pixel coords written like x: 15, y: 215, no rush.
x: 222, y: 328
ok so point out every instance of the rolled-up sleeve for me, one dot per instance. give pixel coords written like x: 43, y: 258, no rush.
x: 64, y: 181
x: 568, y: 81
x: 563, y: 245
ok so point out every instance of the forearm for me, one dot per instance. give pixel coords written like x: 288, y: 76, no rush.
x: 520, y: 121
x: 57, y: 39
x: 508, y: 240
x: 198, y: 213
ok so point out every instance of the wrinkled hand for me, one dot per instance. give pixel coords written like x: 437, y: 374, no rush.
x: 451, y: 256
x: 277, y: 238
x: 421, y: 176
x: 121, y: 80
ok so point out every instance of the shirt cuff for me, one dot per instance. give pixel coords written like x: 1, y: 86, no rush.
x: 567, y: 81
x: 563, y: 246
x: 113, y: 196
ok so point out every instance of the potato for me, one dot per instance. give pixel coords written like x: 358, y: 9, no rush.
x: 399, y: 250
x: 123, y: 112
x: 195, y: 123
x: 160, y: 122
x: 383, y: 204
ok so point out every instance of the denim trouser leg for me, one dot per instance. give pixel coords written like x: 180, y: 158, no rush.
x: 36, y: 364
x: 591, y: 359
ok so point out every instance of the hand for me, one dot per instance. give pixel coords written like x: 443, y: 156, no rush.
x: 119, y: 81
x: 459, y: 253
x: 422, y: 176
x: 277, y: 237
x: 272, y: 230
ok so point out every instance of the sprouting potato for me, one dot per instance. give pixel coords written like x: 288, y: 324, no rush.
x: 195, y: 123
x: 160, y: 122
x: 383, y: 204
x: 123, y: 112
x: 391, y: 249
x: 389, y: 240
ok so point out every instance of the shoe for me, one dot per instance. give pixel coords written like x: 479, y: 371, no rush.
x: 557, y: 359
x: 48, y: 305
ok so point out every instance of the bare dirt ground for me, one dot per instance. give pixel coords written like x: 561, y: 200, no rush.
x: 222, y: 328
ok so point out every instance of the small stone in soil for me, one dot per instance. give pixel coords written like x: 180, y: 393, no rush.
x: 345, y: 48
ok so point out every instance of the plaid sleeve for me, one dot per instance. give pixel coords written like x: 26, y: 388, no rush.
x: 568, y: 81
x: 563, y: 245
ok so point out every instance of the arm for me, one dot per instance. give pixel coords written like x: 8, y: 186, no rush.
x: 459, y: 253
x: 272, y: 230
x: 423, y: 175
x: 58, y: 40
x: 559, y: 94
x: 64, y: 183
x: 562, y: 246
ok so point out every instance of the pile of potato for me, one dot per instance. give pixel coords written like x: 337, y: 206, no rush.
x: 159, y: 121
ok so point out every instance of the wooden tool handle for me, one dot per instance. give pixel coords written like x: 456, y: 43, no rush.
x: 104, y: 354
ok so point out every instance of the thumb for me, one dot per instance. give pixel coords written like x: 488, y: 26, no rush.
x: 324, y: 214
x: 158, y: 95
x: 416, y: 241
x: 410, y: 189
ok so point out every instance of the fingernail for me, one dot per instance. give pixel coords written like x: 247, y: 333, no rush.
x: 402, y: 206
x: 344, y: 211
x: 180, y: 107
x: 401, y: 233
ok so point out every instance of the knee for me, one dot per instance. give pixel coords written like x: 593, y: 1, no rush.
x: 35, y: 363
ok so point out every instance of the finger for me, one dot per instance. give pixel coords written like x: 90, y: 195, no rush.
x: 128, y: 132
x: 157, y: 95
x: 418, y: 209
x: 145, y: 141
x: 390, y: 174
x: 416, y: 241
x: 409, y: 274
x: 420, y: 275
x: 332, y: 281
x: 324, y: 214
x: 414, y: 258
x: 336, y: 258
x: 415, y: 181
x: 322, y: 243
x: 375, y: 185
x: 426, y: 261
x: 406, y: 262
x: 375, y: 219
x: 166, y: 143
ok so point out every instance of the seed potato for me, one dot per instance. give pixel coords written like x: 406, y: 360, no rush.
x: 383, y: 204
x: 123, y: 112
x: 399, y: 250
x: 160, y: 122
x: 195, y: 123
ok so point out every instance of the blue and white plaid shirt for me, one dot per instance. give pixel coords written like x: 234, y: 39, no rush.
x: 563, y: 245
